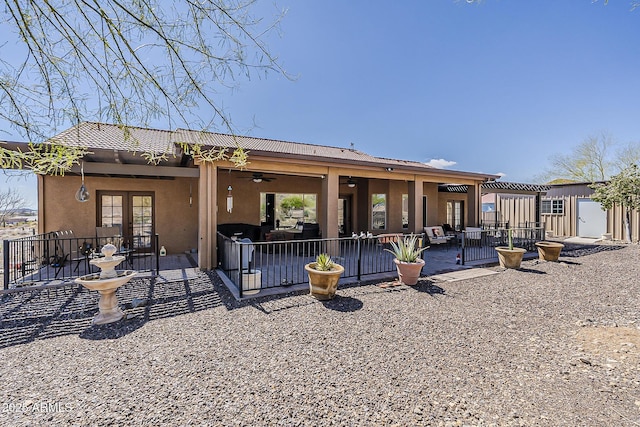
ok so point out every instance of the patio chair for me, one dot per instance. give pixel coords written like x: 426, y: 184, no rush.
x: 66, y: 249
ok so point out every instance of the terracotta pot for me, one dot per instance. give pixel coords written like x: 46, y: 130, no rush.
x: 549, y: 251
x: 409, y: 272
x: 323, y: 284
x: 510, y: 258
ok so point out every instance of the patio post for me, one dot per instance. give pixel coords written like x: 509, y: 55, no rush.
x: 330, y: 196
x: 416, y: 214
x: 474, y: 200
x: 207, y: 216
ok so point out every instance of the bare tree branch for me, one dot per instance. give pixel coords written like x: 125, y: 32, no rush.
x: 128, y: 62
x: 11, y: 201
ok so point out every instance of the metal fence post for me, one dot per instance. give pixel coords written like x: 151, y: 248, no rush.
x: 5, y: 259
x: 463, y: 248
x: 359, y: 240
x: 157, y: 243
x: 240, y: 250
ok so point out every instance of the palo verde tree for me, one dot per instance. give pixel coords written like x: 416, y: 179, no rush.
x: 621, y: 190
x: 125, y: 62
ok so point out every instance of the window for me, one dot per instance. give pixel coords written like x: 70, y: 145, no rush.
x: 552, y: 207
x: 378, y: 211
x: 455, y: 214
x: 405, y: 211
x: 290, y: 208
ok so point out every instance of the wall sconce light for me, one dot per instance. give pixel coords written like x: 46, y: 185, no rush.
x: 351, y: 183
x: 82, y: 195
x: 190, y: 195
x: 229, y: 200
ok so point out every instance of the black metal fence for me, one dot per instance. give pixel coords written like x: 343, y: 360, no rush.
x: 253, y: 266
x: 478, y: 245
x: 61, y: 256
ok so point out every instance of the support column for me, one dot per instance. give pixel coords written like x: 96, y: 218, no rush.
x: 416, y: 194
x: 474, y: 201
x: 330, y: 195
x: 207, y: 217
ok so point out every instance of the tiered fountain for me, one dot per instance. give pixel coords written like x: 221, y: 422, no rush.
x: 106, y: 282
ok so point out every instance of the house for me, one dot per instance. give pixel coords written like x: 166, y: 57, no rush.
x: 342, y: 190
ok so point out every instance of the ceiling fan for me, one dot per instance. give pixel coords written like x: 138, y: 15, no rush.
x: 259, y: 177
x: 350, y: 182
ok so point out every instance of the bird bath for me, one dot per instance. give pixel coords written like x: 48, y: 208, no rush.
x: 106, y: 282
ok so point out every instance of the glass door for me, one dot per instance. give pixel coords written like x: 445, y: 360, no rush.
x: 132, y: 212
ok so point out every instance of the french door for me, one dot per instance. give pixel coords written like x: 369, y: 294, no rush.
x: 132, y: 212
x: 455, y: 214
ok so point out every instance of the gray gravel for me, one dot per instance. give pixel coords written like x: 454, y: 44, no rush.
x: 554, y: 344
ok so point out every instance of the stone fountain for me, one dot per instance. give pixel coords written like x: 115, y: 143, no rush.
x: 106, y: 283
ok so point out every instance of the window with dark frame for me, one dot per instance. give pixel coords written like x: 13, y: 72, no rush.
x: 552, y: 207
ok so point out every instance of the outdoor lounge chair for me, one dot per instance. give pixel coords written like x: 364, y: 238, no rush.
x: 436, y: 235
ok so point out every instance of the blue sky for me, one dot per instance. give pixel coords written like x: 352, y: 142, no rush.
x: 495, y: 87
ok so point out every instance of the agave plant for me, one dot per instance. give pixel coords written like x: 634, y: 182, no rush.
x: 324, y: 262
x: 406, y: 249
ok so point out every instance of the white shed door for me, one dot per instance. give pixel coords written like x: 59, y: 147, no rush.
x: 592, y: 220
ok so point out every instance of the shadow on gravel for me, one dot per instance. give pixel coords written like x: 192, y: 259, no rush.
x: 343, y: 304
x: 113, y: 330
x: 46, y: 313
x: 575, y: 250
x: 428, y: 287
x: 531, y: 270
x: 564, y: 261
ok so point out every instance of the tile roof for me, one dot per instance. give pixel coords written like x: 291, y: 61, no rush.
x: 118, y: 138
x: 112, y: 137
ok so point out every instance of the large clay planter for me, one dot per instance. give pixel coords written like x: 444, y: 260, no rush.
x: 323, y: 284
x: 409, y: 272
x: 549, y: 251
x: 510, y: 258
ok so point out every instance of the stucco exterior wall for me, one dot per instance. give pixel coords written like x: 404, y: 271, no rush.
x: 246, y: 195
x: 176, y: 221
x: 433, y: 204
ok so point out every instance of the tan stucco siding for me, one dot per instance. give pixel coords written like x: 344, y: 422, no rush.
x: 176, y: 222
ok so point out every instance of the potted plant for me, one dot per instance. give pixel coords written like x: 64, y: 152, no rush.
x: 549, y: 251
x: 323, y: 277
x: 407, y: 259
x: 508, y: 256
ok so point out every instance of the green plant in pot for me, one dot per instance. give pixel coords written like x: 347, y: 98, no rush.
x: 324, y: 275
x: 509, y: 256
x: 407, y: 259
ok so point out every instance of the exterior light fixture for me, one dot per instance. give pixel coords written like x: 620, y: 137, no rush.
x: 82, y: 195
x: 388, y: 169
x: 351, y: 183
x: 257, y: 179
x: 229, y: 200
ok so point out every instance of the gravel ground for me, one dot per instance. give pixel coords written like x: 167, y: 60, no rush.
x: 553, y: 344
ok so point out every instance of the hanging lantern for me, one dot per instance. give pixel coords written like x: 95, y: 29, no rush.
x: 229, y: 200
x: 82, y: 195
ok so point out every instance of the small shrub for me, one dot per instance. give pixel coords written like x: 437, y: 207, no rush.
x: 406, y: 249
x: 324, y: 262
